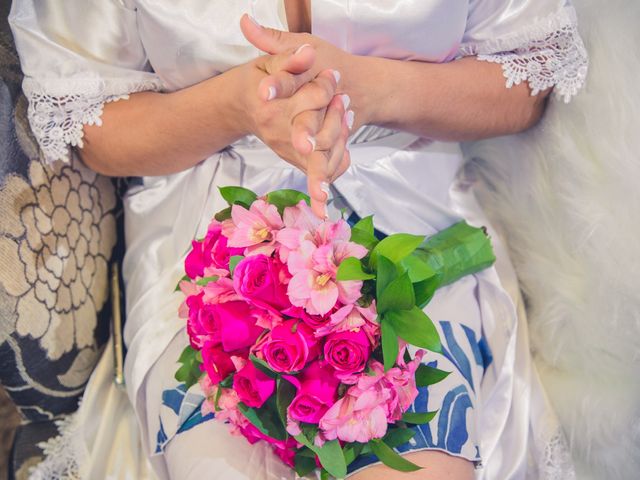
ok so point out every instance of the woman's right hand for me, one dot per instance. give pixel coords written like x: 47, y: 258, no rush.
x: 307, y: 128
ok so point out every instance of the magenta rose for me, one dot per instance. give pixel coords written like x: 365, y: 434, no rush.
x: 201, y: 324
x: 314, y: 321
x: 217, y: 363
x: 211, y: 252
x: 289, y: 346
x: 262, y: 281
x: 238, y: 329
x: 317, y: 392
x: 347, y: 351
x: 253, y: 386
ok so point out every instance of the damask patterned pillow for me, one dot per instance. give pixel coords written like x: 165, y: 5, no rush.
x: 57, y: 233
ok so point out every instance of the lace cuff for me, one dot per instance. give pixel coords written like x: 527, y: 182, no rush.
x: 548, y: 53
x: 59, y: 108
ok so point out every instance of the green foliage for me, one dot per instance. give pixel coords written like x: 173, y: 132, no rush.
x: 426, y: 375
x: 397, y: 295
x: 389, y: 342
x: 395, y: 247
x: 415, y: 327
x: 189, y: 372
x: 351, y: 269
x: 185, y: 278
x: 285, y: 394
x: 330, y: 455
x: 223, y: 215
x: 390, y: 457
x: 363, y: 234
x: 238, y: 196
x: 418, y: 418
x: 203, y: 282
x: 233, y: 263
x: 286, y: 198
x: 264, y: 419
x: 262, y: 366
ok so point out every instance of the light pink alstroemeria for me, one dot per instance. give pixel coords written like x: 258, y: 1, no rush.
x: 313, y: 268
x: 353, y: 419
x: 255, y: 228
x: 353, y: 317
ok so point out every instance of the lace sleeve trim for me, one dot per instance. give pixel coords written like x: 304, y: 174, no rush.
x: 59, y: 108
x: 548, y: 53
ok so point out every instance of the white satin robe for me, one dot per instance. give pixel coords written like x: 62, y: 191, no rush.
x: 77, y: 54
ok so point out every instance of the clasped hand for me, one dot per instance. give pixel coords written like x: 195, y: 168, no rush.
x: 298, y: 110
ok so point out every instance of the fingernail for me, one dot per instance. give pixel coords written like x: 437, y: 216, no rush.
x: 346, y: 101
x: 301, y: 47
x: 272, y: 93
x: 312, y: 141
x: 336, y: 75
x: 349, y: 117
x: 254, y: 21
x: 324, y: 186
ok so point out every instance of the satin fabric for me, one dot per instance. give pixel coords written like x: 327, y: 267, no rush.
x: 405, y: 181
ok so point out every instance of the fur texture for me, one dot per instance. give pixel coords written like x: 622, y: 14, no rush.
x: 567, y: 198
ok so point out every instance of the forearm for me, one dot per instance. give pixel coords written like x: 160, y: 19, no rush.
x: 461, y: 100
x: 158, y: 134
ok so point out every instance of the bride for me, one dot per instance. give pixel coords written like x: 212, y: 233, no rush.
x: 360, y: 102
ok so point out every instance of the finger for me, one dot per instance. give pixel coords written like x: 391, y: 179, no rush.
x: 303, y: 130
x: 345, y: 163
x: 316, y: 94
x: 269, y: 40
x: 334, y: 125
x: 317, y: 182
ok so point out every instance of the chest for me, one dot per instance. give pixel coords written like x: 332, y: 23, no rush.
x: 190, y: 40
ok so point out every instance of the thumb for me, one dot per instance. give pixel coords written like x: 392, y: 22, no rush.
x: 269, y: 40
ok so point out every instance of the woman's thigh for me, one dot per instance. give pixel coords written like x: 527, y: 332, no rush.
x: 436, y: 466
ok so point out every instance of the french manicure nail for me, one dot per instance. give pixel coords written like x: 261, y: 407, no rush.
x: 301, y: 47
x: 346, y: 101
x: 272, y: 93
x: 349, y: 118
x: 336, y: 75
x: 312, y: 141
x: 254, y: 21
x: 324, y: 186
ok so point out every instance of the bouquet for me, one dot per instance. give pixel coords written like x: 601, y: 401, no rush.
x: 299, y: 327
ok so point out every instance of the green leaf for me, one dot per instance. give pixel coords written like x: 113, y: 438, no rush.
x: 286, y: 198
x: 262, y: 366
x: 389, y: 341
x: 352, y: 451
x: 415, y: 327
x: 324, y: 475
x: 363, y: 234
x: 425, y: 289
x: 189, y: 372
x: 390, y: 457
x: 426, y: 375
x: 233, y: 262
x: 396, y: 247
x: 418, y: 418
x: 264, y: 419
x: 238, y: 196
x: 183, y: 279
x: 330, y: 455
x: 227, y: 382
x: 203, y: 282
x: 304, y: 464
x: 398, y: 295
x: 223, y: 215
x: 216, y: 403
x: 386, y: 273
x: 284, y: 396
x: 418, y: 269
x: 351, y: 269
x: 398, y: 436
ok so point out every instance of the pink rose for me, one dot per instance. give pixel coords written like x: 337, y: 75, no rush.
x: 238, y: 329
x: 217, y: 363
x: 348, y: 351
x: 289, y: 346
x: 212, y: 253
x: 253, y: 386
x: 201, y: 323
x: 314, y: 321
x: 317, y: 392
x: 262, y: 281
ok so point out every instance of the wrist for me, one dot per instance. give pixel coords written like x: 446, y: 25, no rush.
x: 363, y: 85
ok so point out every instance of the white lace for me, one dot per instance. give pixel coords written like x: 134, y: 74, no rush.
x: 548, y: 53
x: 556, y: 462
x: 63, y: 454
x: 59, y: 108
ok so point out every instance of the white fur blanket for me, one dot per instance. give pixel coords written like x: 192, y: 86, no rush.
x: 567, y: 196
